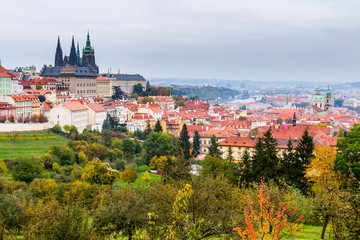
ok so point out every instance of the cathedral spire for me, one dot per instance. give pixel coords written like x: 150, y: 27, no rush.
x: 78, y: 54
x: 58, y: 54
x: 88, y: 47
x: 73, y: 57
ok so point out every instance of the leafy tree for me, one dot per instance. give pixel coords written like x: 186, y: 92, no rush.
x: 184, y: 142
x: 138, y: 89
x: 11, y: 210
x: 128, y: 147
x: 147, y: 100
x: 63, y: 155
x: 159, y: 162
x: 146, y: 177
x: 180, y: 102
x: 215, y: 166
x: 38, y: 86
x: 97, y: 150
x: 53, y: 221
x: 100, y: 173
x: 41, y: 98
x: 158, y: 127
x: 196, y: 144
x: 42, y: 118
x: 27, y: 169
x: 3, y: 168
x: 348, y: 154
x: 139, y: 134
x: 159, y: 144
x: 341, y: 133
x: 117, y: 93
x: 214, y: 147
x: 129, y: 175
x: 56, y: 129
x: 43, y: 188
x: 265, y: 161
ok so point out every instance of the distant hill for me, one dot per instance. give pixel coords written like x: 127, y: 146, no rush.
x: 205, y: 92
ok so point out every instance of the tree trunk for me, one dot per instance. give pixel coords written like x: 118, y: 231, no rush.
x: 324, y: 227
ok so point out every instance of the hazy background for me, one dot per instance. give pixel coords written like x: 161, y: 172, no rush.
x: 260, y: 40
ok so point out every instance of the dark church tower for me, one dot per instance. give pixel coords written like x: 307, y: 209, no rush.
x: 73, y: 57
x: 88, y: 57
x: 294, y: 120
x: 58, y: 55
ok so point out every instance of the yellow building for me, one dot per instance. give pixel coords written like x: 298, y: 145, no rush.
x: 103, y: 87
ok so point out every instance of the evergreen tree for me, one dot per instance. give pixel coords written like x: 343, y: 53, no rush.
x: 106, y: 124
x: 229, y: 156
x: 214, y: 147
x: 265, y: 161
x: 158, y: 127
x: 304, y: 152
x: 147, y: 130
x: 184, y: 142
x: 288, y: 162
x: 196, y: 144
x: 118, y: 93
x: 245, y: 168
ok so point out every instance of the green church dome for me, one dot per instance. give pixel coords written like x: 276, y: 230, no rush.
x: 318, y: 97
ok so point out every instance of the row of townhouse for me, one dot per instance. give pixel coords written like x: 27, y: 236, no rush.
x: 89, y: 116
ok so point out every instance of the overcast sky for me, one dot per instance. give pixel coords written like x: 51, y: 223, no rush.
x: 265, y: 40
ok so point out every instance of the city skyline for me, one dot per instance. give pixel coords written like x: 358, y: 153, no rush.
x: 258, y: 40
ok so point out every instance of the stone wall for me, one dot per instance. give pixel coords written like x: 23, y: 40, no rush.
x: 20, y: 127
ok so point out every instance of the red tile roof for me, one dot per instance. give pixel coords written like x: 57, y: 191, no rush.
x: 74, y: 106
x: 96, y: 107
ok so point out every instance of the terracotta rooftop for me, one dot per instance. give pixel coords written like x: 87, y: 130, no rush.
x: 74, y: 106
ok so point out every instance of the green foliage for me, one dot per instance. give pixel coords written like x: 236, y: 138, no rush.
x: 63, y: 155
x: 244, y: 169
x: 158, y: 127
x: 117, y: 93
x: 214, y: 147
x: 27, y: 169
x: 38, y: 86
x: 159, y: 144
x: 138, y: 89
x: 265, y: 161
x: 128, y: 147
x: 196, y: 144
x: 147, y: 130
x: 215, y: 166
x: 184, y: 142
x: 11, y: 211
x: 348, y: 149
x: 304, y: 152
x: 106, y: 136
x: 52, y: 221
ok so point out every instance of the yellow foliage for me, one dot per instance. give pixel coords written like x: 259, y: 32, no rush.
x: 98, y: 172
x: 159, y: 162
x: 3, y: 168
x: 55, y: 166
x: 129, y: 175
x: 321, y: 168
x: 43, y: 188
x: 146, y: 177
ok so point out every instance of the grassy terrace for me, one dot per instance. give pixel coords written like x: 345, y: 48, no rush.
x: 28, y: 144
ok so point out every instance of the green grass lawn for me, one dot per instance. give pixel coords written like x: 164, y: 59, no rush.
x: 310, y: 232
x: 139, y: 181
x: 24, y: 148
